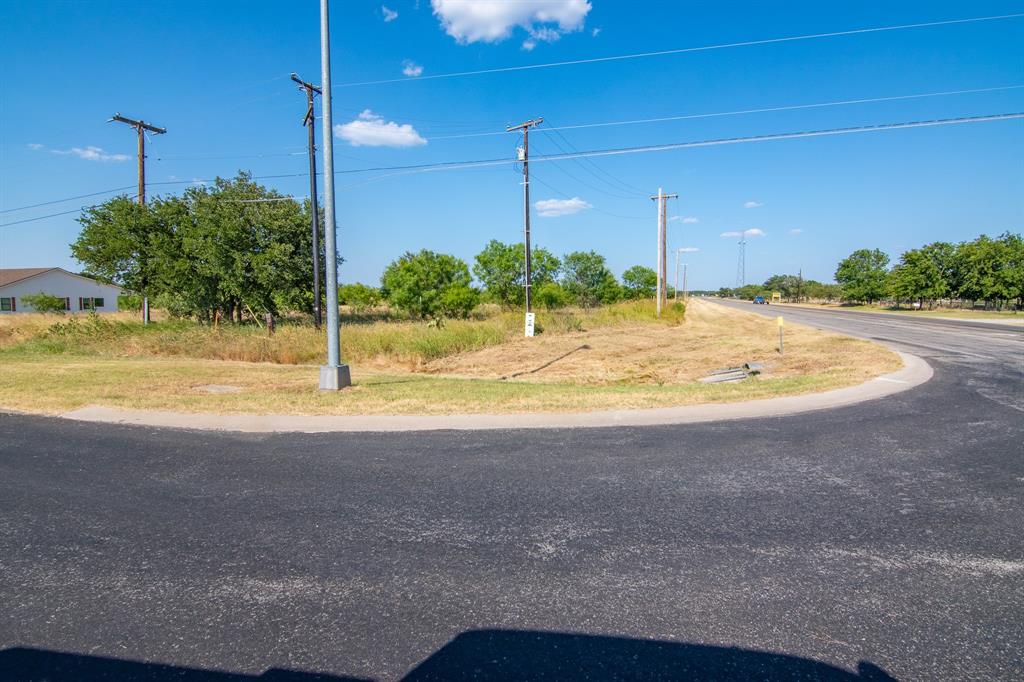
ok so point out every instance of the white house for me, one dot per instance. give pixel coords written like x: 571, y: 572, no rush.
x: 79, y: 293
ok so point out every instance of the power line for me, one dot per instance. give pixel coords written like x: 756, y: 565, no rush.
x: 590, y: 164
x: 593, y: 208
x: 789, y: 136
x: 61, y: 201
x: 459, y: 165
x: 739, y: 112
x: 547, y: 130
x: 52, y: 215
x: 702, y: 48
x: 617, y: 193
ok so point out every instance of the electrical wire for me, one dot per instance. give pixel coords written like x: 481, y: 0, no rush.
x: 617, y: 193
x: 702, y: 48
x: 61, y: 201
x: 739, y: 112
x: 533, y: 177
x: 587, y: 162
x: 458, y: 165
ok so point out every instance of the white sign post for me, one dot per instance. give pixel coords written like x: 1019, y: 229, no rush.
x: 529, y: 324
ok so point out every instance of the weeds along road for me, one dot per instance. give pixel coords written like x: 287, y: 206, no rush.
x: 875, y: 541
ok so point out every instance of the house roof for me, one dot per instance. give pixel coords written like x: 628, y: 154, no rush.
x: 12, y: 275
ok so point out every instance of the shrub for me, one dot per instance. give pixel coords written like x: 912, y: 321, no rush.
x: 421, y: 284
x: 552, y: 296
x: 46, y: 303
x: 359, y: 296
x: 458, y: 301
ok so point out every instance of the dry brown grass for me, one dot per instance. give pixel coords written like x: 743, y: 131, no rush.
x: 629, y: 364
x: 711, y: 337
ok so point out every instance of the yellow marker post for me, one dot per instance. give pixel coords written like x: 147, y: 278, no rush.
x: 781, y: 325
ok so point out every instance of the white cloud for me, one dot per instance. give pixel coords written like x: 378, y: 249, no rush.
x: 490, y: 21
x: 411, y: 68
x: 553, y: 208
x: 529, y: 44
x: 752, y: 204
x: 389, y: 14
x: 795, y: 231
x: 689, y: 249
x: 34, y: 146
x: 752, y: 232
x: 370, y: 130
x: 688, y: 220
x: 91, y: 154
x: 596, y: 32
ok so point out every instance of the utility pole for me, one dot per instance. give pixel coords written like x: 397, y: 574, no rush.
x: 333, y: 375
x: 661, y: 198
x: 525, y: 158
x: 676, y: 296
x: 686, y: 295
x: 741, y: 264
x: 314, y: 209
x: 140, y: 128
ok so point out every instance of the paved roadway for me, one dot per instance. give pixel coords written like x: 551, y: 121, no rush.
x: 877, y: 541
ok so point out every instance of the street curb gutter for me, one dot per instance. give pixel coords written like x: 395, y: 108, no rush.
x: 915, y: 372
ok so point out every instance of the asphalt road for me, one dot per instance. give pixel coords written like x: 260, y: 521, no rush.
x: 872, y: 542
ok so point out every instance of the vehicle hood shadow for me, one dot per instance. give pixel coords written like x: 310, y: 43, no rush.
x: 482, y: 655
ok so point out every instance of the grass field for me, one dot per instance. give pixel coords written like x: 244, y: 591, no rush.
x: 616, y: 357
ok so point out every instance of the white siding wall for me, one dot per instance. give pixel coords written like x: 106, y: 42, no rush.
x: 64, y: 285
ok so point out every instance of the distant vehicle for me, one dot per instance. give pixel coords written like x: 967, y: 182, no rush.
x: 760, y: 300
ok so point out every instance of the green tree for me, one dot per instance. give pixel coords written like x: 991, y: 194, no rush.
x: 120, y: 243
x: 788, y: 286
x: 459, y: 301
x: 985, y: 271
x: 943, y: 255
x: 916, y: 277
x: 587, y: 279
x: 552, y: 296
x: 233, y: 246
x: 639, y: 282
x: 45, y: 303
x: 359, y: 297
x: 1013, y: 270
x: 863, y: 275
x: 501, y: 270
x: 428, y: 285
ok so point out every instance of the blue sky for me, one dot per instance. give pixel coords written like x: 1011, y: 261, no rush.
x: 215, y: 74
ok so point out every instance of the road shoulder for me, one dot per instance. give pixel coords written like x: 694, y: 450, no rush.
x: 915, y: 372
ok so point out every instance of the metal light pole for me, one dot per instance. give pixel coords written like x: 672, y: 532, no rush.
x: 333, y: 375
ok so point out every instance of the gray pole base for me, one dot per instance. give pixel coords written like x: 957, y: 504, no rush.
x: 334, y: 378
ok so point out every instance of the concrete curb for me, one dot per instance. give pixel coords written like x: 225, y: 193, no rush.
x: 915, y: 371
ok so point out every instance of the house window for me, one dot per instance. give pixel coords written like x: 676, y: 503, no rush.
x: 7, y: 304
x: 89, y: 303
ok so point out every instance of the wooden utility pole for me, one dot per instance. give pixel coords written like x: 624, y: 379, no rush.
x: 314, y: 208
x: 525, y: 158
x: 661, y: 198
x: 141, y: 127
